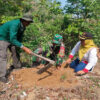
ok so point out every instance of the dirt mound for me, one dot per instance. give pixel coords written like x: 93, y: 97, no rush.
x: 51, y: 84
x: 45, y: 77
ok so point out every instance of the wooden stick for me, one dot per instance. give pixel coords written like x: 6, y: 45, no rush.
x: 44, y: 58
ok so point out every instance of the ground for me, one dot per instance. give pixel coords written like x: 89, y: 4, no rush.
x: 50, y: 83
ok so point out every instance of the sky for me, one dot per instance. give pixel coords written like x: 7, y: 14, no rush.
x: 62, y: 3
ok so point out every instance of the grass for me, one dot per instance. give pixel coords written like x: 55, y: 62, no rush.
x: 63, y: 77
x: 96, y: 81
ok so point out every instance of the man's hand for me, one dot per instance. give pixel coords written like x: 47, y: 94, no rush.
x: 68, y: 61
x: 80, y: 73
x: 27, y: 50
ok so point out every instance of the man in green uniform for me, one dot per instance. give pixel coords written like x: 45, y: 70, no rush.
x: 11, y: 34
x: 54, y: 50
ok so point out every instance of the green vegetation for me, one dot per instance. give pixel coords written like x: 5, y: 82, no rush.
x: 63, y: 77
x: 50, y: 19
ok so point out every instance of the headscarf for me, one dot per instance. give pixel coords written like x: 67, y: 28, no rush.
x: 83, y: 49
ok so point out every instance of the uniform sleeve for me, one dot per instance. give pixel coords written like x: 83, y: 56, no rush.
x: 38, y: 50
x: 92, y: 60
x: 62, y: 51
x: 61, y: 54
x: 13, y: 35
x: 75, y: 49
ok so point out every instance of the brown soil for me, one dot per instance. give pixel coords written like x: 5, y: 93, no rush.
x: 52, y: 77
x: 49, y: 83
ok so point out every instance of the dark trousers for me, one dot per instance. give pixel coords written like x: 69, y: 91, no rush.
x: 15, y: 56
x: 3, y: 57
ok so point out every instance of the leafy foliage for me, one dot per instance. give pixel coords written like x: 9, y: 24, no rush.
x: 85, y: 16
x: 49, y: 19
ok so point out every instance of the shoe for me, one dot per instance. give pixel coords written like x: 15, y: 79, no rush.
x: 13, y: 67
x: 3, y: 79
x: 9, y: 70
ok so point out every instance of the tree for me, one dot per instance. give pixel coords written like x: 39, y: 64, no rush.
x: 83, y: 8
x: 80, y: 16
x: 11, y: 9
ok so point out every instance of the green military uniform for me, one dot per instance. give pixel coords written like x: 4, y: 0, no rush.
x: 54, y: 50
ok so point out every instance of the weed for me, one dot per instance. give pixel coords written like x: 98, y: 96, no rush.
x: 96, y: 81
x: 63, y: 77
